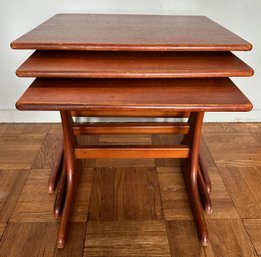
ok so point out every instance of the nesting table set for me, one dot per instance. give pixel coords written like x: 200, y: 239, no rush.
x: 94, y: 65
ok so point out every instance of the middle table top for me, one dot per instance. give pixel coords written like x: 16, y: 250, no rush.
x: 85, y: 64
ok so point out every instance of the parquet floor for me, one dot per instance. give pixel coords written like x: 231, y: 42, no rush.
x: 130, y: 207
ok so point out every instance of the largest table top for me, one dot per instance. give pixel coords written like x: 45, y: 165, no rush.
x: 130, y: 33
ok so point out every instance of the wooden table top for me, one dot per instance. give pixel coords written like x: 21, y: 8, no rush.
x: 86, y: 64
x: 164, y: 95
x: 130, y: 33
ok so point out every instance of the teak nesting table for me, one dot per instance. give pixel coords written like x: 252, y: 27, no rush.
x: 93, y: 65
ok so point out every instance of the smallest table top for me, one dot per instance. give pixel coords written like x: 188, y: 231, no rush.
x: 131, y: 33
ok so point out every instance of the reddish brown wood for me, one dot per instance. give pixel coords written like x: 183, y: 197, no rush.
x: 56, y: 172
x: 73, y: 64
x: 60, y: 196
x: 130, y: 128
x: 134, y: 97
x: 165, y: 97
x: 125, y: 113
x: 204, y: 194
x: 130, y: 151
x: 72, y: 178
x: 131, y: 33
x: 204, y: 172
x: 190, y: 171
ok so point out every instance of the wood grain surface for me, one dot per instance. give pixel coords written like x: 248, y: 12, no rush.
x: 114, y: 190
x: 86, y: 64
x: 38, y: 240
x: 253, y: 227
x: 127, y: 211
x: 130, y: 32
x: 141, y: 238
x: 143, y: 97
x: 11, y: 184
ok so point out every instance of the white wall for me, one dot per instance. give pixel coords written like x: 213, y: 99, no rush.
x: 18, y: 17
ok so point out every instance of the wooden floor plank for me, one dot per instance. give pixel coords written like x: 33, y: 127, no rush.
x: 3, y: 128
x: 245, y: 198
x: 75, y: 243
x: 19, y: 151
x: 183, y: 240
x: 11, y: 185
x: 257, y: 136
x: 252, y: 176
x: 173, y: 194
x: 13, y: 129
x: 125, y: 194
x: 206, y: 154
x: 223, y: 206
x: 175, y: 199
x: 56, y: 129
x: 240, y: 149
x: 36, y: 205
x: 28, y: 239
x: 39, y: 240
x: 50, y: 149
x: 254, y: 127
x: 126, y: 238
x: 2, y: 229
x: 225, y: 127
x: 229, y: 238
x: 253, y: 227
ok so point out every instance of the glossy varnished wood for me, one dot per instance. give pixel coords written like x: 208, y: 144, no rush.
x: 191, y: 175
x: 141, y: 151
x: 132, y: 33
x: 122, y: 128
x: 154, y: 96
x: 77, y: 64
x: 127, y: 96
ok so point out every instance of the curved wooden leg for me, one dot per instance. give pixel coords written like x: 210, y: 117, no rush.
x: 56, y: 172
x: 60, y: 197
x: 191, y: 176
x: 72, y: 178
x: 204, y: 172
x: 204, y: 194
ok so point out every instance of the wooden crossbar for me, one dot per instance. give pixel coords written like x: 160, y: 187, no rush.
x: 128, y: 113
x: 131, y: 151
x: 131, y: 128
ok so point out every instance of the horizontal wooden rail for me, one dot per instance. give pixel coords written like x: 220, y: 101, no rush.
x: 131, y: 151
x: 130, y: 113
x: 131, y: 128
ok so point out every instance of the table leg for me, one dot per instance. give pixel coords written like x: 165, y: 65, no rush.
x: 204, y: 172
x: 60, y: 197
x: 56, y: 171
x: 204, y: 194
x: 72, y: 178
x: 191, y: 175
